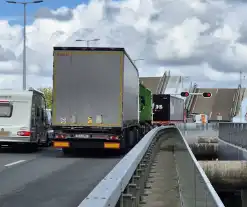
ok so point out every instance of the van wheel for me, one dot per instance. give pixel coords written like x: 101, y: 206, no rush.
x: 47, y: 142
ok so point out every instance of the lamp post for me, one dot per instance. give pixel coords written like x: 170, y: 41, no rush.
x: 87, y: 41
x: 24, y: 75
x: 137, y: 59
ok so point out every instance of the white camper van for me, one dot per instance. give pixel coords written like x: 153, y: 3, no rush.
x: 23, y: 118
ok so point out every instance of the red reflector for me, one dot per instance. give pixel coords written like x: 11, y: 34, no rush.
x: 24, y: 133
x: 4, y: 101
x: 114, y: 137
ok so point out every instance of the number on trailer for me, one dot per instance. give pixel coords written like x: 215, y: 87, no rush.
x: 157, y: 107
x: 63, y: 120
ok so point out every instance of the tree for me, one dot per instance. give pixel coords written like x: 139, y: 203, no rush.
x: 48, y: 96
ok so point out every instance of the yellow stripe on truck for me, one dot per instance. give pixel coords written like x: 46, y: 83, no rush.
x: 108, y: 145
x: 61, y: 144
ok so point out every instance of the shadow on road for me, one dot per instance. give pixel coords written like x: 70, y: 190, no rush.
x: 95, y: 153
x: 57, y: 153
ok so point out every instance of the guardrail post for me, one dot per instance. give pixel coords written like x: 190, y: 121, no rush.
x: 126, y: 198
x: 137, y: 178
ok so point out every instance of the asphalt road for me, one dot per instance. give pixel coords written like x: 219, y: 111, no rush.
x: 48, y: 179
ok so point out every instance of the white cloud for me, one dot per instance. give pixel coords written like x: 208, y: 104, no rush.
x: 205, y: 40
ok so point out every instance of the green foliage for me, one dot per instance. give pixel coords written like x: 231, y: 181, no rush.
x: 48, y: 96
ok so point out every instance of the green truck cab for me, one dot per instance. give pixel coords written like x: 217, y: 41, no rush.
x: 145, y: 106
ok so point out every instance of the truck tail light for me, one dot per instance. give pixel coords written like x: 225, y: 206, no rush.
x: 60, y: 136
x: 4, y: 101
x: 114, y: 138
x: 24, y: 133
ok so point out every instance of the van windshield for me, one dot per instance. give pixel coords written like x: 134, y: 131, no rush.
x: 5, y: 110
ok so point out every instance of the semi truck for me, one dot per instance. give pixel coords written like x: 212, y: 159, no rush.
x: 167, y: 109
x: 96, y: 99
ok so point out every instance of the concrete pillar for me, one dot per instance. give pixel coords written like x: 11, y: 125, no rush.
x: 229, y: 173
x: 244, y: 197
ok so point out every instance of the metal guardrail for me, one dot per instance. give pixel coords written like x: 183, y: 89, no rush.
x: 124, y: 185
x: 234, y: 133
x: 238, y: 98
x: 196, y: 188
x: 163, y: 83
x: 233, y: 110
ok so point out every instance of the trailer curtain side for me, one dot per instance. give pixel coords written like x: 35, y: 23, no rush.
x: 87, y: 84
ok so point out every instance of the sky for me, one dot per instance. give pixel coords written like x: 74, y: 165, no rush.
x: 204, y: 41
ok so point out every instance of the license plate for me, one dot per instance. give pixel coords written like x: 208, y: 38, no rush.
x: 82, y: 136
x: 4, y: 134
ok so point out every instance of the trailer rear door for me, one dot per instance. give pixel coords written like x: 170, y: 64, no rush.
x: 161, y: 107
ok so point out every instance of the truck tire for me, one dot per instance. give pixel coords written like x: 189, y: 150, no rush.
x: 124, y: 142
x: 132, y: 138
x: 138, y: 135
x: 47, y: 142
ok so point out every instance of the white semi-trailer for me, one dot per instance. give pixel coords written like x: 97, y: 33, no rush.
x: 95, y: 99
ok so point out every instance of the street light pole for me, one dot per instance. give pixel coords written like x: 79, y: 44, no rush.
x: 87, y: 41
x: 24, y: 73
x: 24, y: 81
x: 137, y: 59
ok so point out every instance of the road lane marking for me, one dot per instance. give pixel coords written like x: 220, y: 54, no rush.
x: 14, y: 163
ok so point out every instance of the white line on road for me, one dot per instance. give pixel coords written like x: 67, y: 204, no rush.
x: 14, y: 163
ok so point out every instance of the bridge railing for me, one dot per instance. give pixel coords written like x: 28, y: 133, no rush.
x: 196, y: 189
x: 125, y: 184
x: 234, y: 133
x: 189, y: 99
x: 237, y: 101
x: 163, y: 83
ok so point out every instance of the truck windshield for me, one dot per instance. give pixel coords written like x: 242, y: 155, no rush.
x: 5, y: 110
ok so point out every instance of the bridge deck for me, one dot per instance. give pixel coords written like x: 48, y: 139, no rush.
x: 151, y: 83
x: 220, y: 102
x: 223, y: 103
x: 204, y: 105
